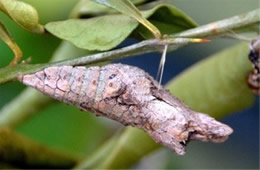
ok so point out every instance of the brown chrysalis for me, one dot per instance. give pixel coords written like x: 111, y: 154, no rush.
x: 129, y: 95
x: 254, y: 76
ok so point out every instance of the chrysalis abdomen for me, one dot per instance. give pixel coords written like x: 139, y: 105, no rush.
x: 129, y: 95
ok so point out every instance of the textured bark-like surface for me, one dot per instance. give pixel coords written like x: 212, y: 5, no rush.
x: 129, y: 95
x: 254, y: 76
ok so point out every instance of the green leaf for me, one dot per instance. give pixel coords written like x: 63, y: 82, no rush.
x: 168, y: 19
x: 6, y: 37
x: 127, y: 8
x: 129, y: 148
x: 99, y: 33
x: 23, y: 14
x: 216, y: 86
x: 20, y: 151
x: 100, y: 153
x: 88, y: 9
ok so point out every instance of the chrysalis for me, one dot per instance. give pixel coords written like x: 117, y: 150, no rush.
x: 129, y: 95
x: 254, y: 76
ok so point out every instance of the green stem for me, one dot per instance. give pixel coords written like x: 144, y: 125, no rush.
x: 213, y: 29
x: 11, y: 73
x: 223, y: 26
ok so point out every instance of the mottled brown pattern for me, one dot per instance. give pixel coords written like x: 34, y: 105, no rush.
x: 254, y: 76
x: 129, y: 95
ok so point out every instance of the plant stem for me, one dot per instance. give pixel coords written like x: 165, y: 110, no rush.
x: 223, y: 26
x: 212, y: 29
x: 205, y: 31
x: 143, y: 47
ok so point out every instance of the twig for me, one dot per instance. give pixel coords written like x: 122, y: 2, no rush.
x: 223, y: 26
x: 213, y: 29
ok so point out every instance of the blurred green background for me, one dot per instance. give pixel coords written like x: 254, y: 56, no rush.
x: 67, y: 129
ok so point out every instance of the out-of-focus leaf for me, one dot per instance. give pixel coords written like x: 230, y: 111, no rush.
x: 133, y: 142
x: 101, y: 153
x: 23, y: 14
x: 106, y: 32
x: 216, y: 86
x: 30, y: 100
x: 24, y: 153
x: 127, y: 8
x: 88, y: 9
x: 66, y: 129
x: 6, y: 37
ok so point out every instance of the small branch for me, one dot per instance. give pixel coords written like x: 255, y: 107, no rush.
x: 153, y: 45
x: 222, y: 26
x: 136, y: 49
x: 213, y: 29
x: 11, y: 73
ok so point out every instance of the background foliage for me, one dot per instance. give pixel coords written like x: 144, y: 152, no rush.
x: 66, y: 129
